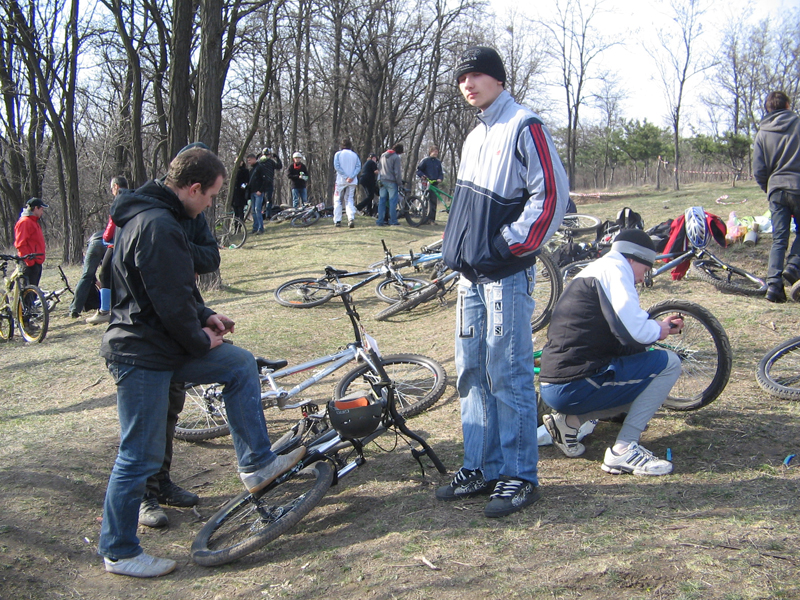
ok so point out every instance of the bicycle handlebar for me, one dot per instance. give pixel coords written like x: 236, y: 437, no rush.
x: 20, y: 258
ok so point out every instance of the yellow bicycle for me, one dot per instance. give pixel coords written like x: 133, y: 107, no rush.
x: 21, y: 303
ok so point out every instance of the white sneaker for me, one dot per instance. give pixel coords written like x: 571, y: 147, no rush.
x: 637, y: 460
x: 142, y: 565
x: 260, y: 479
x: 565, y: 437
x: 101, y: 316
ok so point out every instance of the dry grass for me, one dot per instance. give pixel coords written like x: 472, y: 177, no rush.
x: 724, y: 526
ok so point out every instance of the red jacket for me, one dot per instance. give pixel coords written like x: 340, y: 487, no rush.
x: 108, y: 234
x: 29, y: 238
x: 678, y: 243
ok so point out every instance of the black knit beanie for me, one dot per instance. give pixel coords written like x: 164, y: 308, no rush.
x: 635, y: 244
x: 481, y: 59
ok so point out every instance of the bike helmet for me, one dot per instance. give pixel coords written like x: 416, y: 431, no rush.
x: 696, y: 228
x: 298, y: 155
x: 356, y: 415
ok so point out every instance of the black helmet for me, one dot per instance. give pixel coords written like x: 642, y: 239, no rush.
x: 356, y: 415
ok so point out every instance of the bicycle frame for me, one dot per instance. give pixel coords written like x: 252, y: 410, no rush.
x: 439, y: 193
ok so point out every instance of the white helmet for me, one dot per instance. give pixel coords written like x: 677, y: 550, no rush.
x: 298, y: 155
x: 696, y: 228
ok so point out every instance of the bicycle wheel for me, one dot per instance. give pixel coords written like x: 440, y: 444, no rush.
x: 578, y: 224
x: 728, y: 278
x: 569, y: 271
x: 412, y: 300
x: 32, y: 315
x: 305, y: 292
x: 416, y: 211
x: 230, y: 232
x: 6, y: 322
x: 250, y: 521
x: 305, y: 219
x: 419, y: 381
x: 705, y: 354
x: 546, y: 291
x: 203, y: 416
x: 392, y: 290
x: 778, y: 372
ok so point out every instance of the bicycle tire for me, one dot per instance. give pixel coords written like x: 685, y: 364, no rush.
x: 251, y: 521
x: 416, y: 211
x: 203, y: 416
x: 392, y: 290
x: 419, y: 381
x: 230, y: 232
x: 32, y: 315
x: 728, y: 278
x: 778, y: 373
x: 705, y: 354
x: 410, y: 302
x: 305, y: 219
x: 546, y: 291
x: 6, y: 322
x: 575, y: 224
x: 305, y: 292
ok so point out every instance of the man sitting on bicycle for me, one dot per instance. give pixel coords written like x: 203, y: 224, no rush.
x: 161, y: 331
x: 594, y: 364
x: 430, y: 169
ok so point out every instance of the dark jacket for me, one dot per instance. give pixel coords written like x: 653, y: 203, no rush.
x: 202, y: 245
x: 293, y: 172
x: 368, y: 178
x: 240, y: 189
x: 157, y: 314
x: 430, y: 167
x: 776, y: 152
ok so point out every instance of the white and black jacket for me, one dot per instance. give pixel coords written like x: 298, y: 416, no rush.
x: 597, y: 319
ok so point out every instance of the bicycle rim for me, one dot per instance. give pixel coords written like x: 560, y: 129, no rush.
x: 203, y: 416
x: 6, y: 324
x: 778, y: 373
x: 705, y: 354
x: 32, y: 315
x: 230, y: 232
x: 305, y: 292
x: 546, y: 291
x: 392, y: 290
x: 728, y: 278
x: 250, y: 521
x: 578, y: 224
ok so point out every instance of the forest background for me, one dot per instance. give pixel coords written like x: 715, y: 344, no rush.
x: 98, y: 88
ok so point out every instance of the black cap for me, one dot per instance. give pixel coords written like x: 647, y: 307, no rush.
x: 635, y: 244
x: 481, y: 59
x: 34, y: 202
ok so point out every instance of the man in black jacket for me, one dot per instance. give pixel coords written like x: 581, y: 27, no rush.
x: 161, y: 331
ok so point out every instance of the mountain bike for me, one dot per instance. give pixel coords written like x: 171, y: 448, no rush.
x: 307, y: 292
x: 418, y: 382
x: 431, y: 196
x: 778, y: 372
x: 413, y: 208
x: 230, y: 232
x: 53, y: 297
x: 21, y: 303
x: 251, y: 520
x: 309, y: 214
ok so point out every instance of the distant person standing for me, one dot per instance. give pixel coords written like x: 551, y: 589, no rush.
x: 29, y: 239
x: 391, y: 173
x: 255, y: 187
x: 240, y: 190
x: 271, y: 164
x: 298, y: 175
x: 347, y: 166
x: 776, y: 168
x: 430, y: 169
x: 368, y: 179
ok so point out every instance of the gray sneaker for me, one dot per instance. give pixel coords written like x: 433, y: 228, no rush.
x: 565, y: 437
x: 260, y: 479
x: 151, y: 514
x: 142, y: 565
x: 466, y: 483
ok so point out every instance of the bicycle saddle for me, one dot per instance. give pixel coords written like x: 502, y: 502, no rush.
x: 270, y: 364
x: 329, y: 270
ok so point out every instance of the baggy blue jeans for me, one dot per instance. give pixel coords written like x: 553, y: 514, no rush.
x: 494, y: 361
x: 142, y: 402
x: 388, y: 195
x: 785, y: 207
x: 258, y: 218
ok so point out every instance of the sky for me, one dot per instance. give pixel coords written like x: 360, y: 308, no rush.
x: 634, y: 23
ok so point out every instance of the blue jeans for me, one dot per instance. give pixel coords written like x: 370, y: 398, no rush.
x: 142, y: 403
x: 258, y: 218
x: 388, y: 194
x: 785, y: 207
x: 299, y: 197
x: 494, y: 362
x: 94, y: 255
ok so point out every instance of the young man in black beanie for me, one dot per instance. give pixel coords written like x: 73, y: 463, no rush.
x: 595, y: 363
x: 510, y: 196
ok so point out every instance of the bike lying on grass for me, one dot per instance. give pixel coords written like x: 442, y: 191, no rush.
x: 53, y: 297
x: 778, y: 373
x: 365, y: 412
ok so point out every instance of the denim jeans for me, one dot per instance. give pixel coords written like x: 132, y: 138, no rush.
x: 299, y: 197
x: 494, y: 362
x: 142, y: 402
x: 258, y: 218
x: 94, y: 254
x: 388, y: 194
x: 785, y: 207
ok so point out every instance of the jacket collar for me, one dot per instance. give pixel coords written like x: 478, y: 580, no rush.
x: 491, y: 115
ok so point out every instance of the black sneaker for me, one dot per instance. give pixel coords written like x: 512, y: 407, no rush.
x: 776, y: 293
x: 791, y: 274
x: 151, y: 514
x: 511, y: 495
x: 337, y: 224
x: 172, y: 494
x: 465, y: 484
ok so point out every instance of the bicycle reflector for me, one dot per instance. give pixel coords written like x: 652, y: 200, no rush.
x: 356, y: 415
x: 696, y: 227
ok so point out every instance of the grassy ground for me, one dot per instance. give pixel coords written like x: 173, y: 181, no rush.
x: 723, y: 526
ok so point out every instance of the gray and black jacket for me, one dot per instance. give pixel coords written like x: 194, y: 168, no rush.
x: 776, y: 152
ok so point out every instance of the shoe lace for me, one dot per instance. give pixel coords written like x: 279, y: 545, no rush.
x: 507, y: 488
x: 463, y: 476
x: 150, y: 503
x: 639, y: 455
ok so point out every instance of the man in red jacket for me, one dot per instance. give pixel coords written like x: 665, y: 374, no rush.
x: 29, y: 238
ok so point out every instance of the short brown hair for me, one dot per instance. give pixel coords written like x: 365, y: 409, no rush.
x: 196, y: 165
x: 347, y: 143
x: 776, y: 101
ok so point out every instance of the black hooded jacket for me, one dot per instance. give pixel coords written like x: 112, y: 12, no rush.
x: 157, y: 314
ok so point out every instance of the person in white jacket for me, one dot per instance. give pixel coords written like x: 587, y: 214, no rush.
x: 347, y: 166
